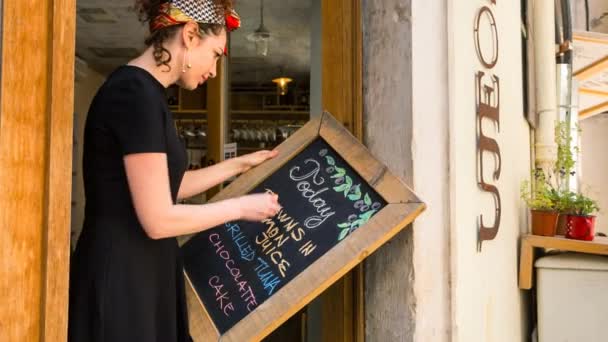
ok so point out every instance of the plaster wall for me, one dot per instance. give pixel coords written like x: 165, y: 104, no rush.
x: 486, y: 302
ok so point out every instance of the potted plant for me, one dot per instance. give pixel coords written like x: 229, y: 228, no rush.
x: 580, y: 221
x: 542, y: 203
x: 564, y: 169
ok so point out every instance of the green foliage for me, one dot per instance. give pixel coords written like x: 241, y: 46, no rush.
x: 539, y: 198
x: 543, y: 195
x: 562, y: 200
x: 546, y: 197
x: 575, y: 203
x: 566, y: 162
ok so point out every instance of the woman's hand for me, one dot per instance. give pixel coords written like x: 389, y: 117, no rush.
x: 250, y: 160
x: 258, y: 207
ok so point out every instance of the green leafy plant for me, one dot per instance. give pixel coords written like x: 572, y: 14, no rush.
x: 566, y: 161
x: 536, y: 200
x: 552, y: 194
x: 569, y: 202
x: 541, y: 196
x: 574, y: 203
x: 562, y: 200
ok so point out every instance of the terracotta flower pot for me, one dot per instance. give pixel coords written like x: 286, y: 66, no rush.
x: 580, y: 227
x: 561, y: 224
x: 544, y: 222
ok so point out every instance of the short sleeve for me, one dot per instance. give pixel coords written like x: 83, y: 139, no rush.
x: 138, y: 120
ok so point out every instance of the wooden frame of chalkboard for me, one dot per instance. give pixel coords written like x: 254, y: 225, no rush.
x: 401, y: 207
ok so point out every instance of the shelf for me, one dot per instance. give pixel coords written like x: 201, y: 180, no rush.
x: 258, y: 112
x: 529, y: 243
x: 189, y: 111
x: 277, y: 118
x: 190, y: 114
x: 286, y: 108
x: 270, y: 115
x: 249, y: 149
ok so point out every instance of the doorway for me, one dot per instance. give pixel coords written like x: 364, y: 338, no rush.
x: 38, y: 174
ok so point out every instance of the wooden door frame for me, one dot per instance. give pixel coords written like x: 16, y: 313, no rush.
x: 36, y: 117
x: 342, y: 89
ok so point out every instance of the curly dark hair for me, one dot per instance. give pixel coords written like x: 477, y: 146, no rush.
x: 148, y: 11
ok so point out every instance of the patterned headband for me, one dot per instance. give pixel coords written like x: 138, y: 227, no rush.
x: 178, y: 12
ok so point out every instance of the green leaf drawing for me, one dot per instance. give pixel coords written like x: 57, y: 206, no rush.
x: 341, y: 188
x: 344, y: 225
x: 349, y: 181
x: 343, y: 234
x: 346, y: 191
x: 368, y: 200
x: 340, y: 172
x: 330, y: 160
x: 357, y: 223
x: 367, y: 215
x: 349, y: 184
x: 356, y: 195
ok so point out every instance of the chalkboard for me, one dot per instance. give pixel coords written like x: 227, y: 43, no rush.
x: 236, y: 267
x: 339, y: 205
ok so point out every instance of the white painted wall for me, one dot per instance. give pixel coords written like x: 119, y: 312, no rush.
x: 430, y: 156
x: 84, y: 91
x: 594, y: 159
x: 486, y: 302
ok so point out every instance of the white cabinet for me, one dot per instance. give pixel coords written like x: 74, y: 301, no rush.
x: 572, y: 298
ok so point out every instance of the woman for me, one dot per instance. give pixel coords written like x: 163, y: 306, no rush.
x: 126, y: 277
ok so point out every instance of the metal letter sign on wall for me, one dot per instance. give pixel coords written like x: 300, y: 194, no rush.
x: 488, y: 107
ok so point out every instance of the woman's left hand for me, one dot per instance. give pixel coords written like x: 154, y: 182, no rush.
x: 256, y: 158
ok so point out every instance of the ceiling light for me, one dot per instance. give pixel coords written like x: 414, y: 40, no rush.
x: 282, y: 84
x: 261, y: 35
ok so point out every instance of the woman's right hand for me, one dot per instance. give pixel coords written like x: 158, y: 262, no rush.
x: 258, y: 207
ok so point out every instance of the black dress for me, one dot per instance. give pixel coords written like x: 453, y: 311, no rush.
x: 125, y: 286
